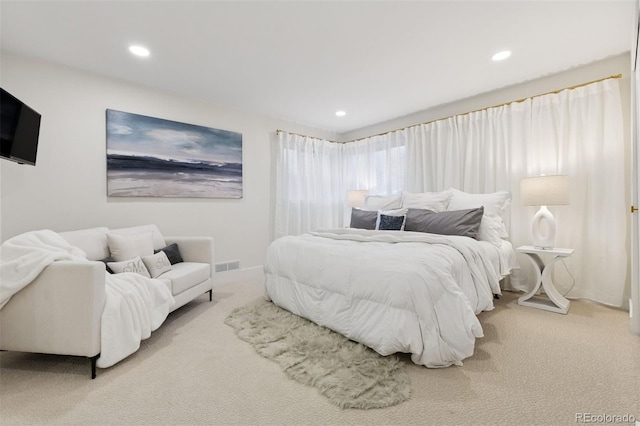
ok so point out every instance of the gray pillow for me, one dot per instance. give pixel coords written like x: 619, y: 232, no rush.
x: 106, y: 260
x: 172, y: 252
x: 465, y: 223
x: 363, y: 219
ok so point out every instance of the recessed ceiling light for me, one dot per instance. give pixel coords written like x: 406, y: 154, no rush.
x: 501, y: 55
x: 341, y: 113
x: 139, y: 50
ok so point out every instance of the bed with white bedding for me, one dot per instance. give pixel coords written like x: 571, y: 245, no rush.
x: 394, y: 291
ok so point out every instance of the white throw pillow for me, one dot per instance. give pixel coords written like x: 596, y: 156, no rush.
x: 134, y: 265
x: 491, y: 230
x: 124, y: 247
x: 434, y: 201
x: 494, y: 203
x: 156, y: 236
x: 378, y: 202
x: 157, y: 264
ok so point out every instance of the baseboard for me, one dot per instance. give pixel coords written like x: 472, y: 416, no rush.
x: 246, y: 274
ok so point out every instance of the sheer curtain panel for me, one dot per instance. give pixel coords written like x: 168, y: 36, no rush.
x: 309, y: 188
x: 376, y: 164
x: 579, y: 133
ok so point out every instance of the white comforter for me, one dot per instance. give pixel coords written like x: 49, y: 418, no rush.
x: 392, y: 291
x: 134, y: 306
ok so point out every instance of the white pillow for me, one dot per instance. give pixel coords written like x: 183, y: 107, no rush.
x: 134, y: 265
x: 434, y: 201
x: 395, y: 212
x: 378, y: 202
x: 494, y: 203
x: 156, y: 236
x: 157, y: 264
x: 124, y: 247
x: 492, y: 228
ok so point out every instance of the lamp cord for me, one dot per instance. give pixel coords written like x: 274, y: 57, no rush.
x: 572, y: 278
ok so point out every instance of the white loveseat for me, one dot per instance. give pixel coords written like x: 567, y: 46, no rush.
x: 60, y: 311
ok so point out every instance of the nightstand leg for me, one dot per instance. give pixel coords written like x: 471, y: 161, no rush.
x: 547, y: 284
x: 556, y: 303
x: 538, y: 267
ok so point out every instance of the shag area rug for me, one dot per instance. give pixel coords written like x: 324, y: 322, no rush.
x: 350, y: 374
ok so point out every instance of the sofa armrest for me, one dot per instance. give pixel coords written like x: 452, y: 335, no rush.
x: 58, y: 313
x: 195, y: 249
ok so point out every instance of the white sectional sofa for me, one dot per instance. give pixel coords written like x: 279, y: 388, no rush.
x: 60, y: 312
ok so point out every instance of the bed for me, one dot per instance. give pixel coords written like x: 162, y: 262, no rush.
x: 392, y: 290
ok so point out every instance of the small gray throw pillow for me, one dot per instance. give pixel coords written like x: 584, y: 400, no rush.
x: 106, y: 261
x: 363, y: 219
x: 465, y: 223
x: 172, y: 252
x: 391, y: 223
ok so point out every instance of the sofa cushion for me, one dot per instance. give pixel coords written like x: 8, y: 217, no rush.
x: 124, y: 246
x: 185, y: 275
x: 92, y: 241
x: 158, y: 239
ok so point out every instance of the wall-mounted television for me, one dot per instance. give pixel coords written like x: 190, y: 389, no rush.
x: 19, y: 130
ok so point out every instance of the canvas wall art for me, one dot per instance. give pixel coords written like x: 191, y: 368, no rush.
x: 153, y: 157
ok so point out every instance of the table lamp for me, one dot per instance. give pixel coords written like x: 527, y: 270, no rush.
x: 356, y: 197
x: 544, y: 191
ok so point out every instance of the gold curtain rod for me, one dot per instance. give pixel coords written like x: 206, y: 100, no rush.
x: 306, y: 136
x: 554, y: 92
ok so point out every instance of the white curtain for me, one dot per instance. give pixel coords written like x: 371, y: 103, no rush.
x: 471, y: 152
x: 309, y: 185
x: 580, y: 133
x: 576, y: 132
x: 376, y: 164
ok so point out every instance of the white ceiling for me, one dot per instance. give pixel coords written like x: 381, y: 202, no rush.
x: 302, y: 60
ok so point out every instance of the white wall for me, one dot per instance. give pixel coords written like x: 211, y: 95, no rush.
x: 67, y: 188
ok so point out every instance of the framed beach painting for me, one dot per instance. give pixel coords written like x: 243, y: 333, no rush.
x: 153, y: 157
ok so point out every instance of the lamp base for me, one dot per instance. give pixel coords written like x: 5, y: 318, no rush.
x: 540, y: 239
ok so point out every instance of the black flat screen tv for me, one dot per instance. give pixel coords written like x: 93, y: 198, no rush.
x: 19, y: 130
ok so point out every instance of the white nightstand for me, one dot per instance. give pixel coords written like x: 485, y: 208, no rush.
x: 554, y: 302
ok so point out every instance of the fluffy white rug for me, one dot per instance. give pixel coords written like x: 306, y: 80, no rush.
x: 348, y: 373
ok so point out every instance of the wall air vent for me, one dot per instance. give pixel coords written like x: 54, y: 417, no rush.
x: 227, y: 266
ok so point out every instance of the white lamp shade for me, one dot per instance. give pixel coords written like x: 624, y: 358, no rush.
x: 545, y: 190
x: 356, y: 197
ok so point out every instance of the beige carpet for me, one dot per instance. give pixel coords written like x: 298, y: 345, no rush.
x: 531, y: 368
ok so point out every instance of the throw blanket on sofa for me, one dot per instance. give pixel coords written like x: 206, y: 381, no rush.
x: 134, y: 305
x: 23, y: 257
